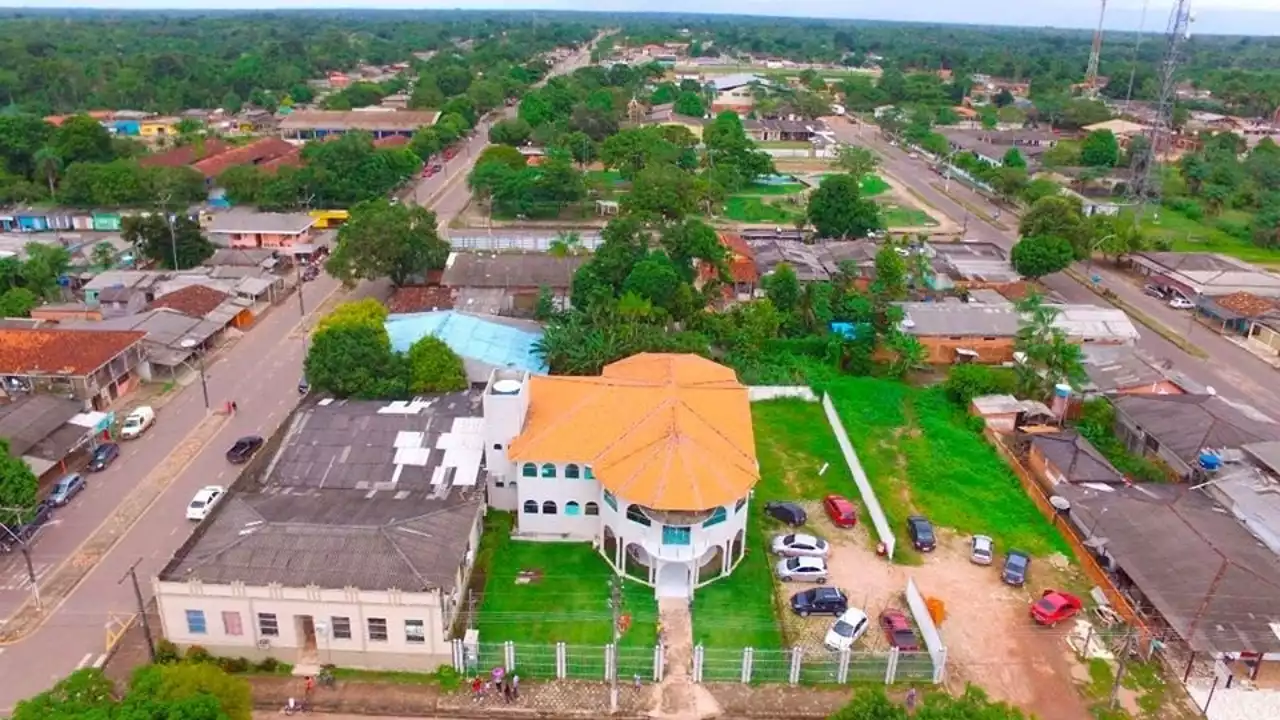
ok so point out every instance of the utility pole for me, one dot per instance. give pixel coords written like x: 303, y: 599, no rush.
x: 302, y: 308
x: 132, y: 574
x: 615, y: 603
x: 1120, y: 668
x: 168, y: 220
x: 17, y: 514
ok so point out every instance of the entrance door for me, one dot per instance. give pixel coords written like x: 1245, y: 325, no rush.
x: 306, y: 627
x: 673, y: 580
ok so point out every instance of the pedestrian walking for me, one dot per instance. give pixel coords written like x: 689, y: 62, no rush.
x: 234, y: 407
x: 515, y: 687
x: 311, y: 685
x: 911, y: 700
x: 506, y: 690
x: 476, y: 685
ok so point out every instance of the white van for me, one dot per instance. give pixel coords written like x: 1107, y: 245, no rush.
x: 138, y: 422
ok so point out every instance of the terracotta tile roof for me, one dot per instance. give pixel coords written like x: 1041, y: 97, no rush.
x: 421, y: 298
x: 290, y: 159
x: 391, y: 141
x: 254, y: 153
x: 1247, y: 304
x: 187, y: 154
x: 742, y: 262
x: 73, y: 352
x: 670, y: 432
x: 193, y: 300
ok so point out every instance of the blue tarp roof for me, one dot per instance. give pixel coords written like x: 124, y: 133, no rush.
x: 469, y: 336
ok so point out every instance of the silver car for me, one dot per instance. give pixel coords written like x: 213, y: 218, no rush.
x: 799, y: 545
x: 802, y: 569
x: 982, y: 550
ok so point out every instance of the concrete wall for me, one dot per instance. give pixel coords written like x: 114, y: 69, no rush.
x: 942, y: 350
x: 565, y: 496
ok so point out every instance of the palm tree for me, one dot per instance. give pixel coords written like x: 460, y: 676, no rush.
x: 49, y: 164
x: 567, y: 242
x: 908, y: 354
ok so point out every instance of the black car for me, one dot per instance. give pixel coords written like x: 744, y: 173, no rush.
x: 921, y: 532
x: 310, y: 273
x: 789, y: 513
x: 1016, y: 564
x: 244, y: 449
x: 103, y: 456
x: 819, y: 601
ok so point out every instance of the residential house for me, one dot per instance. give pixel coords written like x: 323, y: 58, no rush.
x: 50, y: 433
x: 249, y: 229
x: 121, y: 292
x: 158, y: 128
x: 1006, y: 413
x: 990, y: 146
x: 1240, y: 313
x: 744, y: 278
x: 734, y: 92
x: 1178, y: 429
x: 969, y: 266
x: 255, y: 154
x: 354, y: 548
x: 1204, y: 274
x: 817, y: 262
x: 93, y: 366
x: 1126, y: 370
x: 784, y: 130
x: 508, y: 283
x: 189, y: 154
x: 411, y: 299
x: 666, y: 115
x: 484, y: 342
x: 1065, y: 456
x: 653, y: 461
x: 303, y: 125
x: 987, y: 88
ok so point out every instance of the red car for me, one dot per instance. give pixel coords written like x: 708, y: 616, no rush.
x: 898, y: 630
x: 841, y: 511
x: 1054, y: 606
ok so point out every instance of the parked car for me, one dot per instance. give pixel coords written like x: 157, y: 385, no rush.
x: 65, y: 489
x: 1054, y: 606
x: 243, y: 449
x: 803, y: 569
x: 103, y: 456
x: 819, y: 601
x: 982, y: 550
x: 799, y: 545
x: 785, y: 512
x: 921, y: 533
x: 1016, y: 565
x: 1152, y: 291
x: 841, y: 510
x: 206, y: 497
x: 897, y: 629
x: 138, y: 422
x: 1177, y: 302
x: 310, y: 273
x: 851, y: 625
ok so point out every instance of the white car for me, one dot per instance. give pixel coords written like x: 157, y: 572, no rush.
x: 1177, y: 302
x: 847, y: 629
x: 799, y: 545
x: 982, y: 550
x: 803, y: 569
x: 206, y: 497
x: 138, y: 422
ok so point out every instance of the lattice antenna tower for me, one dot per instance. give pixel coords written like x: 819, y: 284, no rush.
x: 1095, y: 54
x: 1146, y: 174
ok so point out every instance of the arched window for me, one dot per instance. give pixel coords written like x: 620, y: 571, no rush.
x: 610, y: 500
x: 716, y: 518
x: 737, y: 508
x: 572, y: 508
x: 571, y: 471
x: 548, y: 508
x: 531, y: 507
x: 636, y: 515
x: 529, y: 470
x: 548, y: 470
x: 590, y: 475
x: 593, y: 509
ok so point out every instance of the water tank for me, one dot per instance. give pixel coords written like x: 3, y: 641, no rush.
x: 1061, y: 397
x: 1210, y: 460
x: 506, y: 387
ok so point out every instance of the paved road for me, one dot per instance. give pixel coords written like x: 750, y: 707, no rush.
x: 1230, y: 370
x: 261, y: 373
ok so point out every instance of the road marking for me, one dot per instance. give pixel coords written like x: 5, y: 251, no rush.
x: 84, y: 660
x: 102, y: 660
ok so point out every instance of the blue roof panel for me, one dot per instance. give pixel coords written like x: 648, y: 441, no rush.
x: 469, y: 336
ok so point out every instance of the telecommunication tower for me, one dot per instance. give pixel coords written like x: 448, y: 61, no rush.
x: 1146, y: 179
x: 1095, y: 55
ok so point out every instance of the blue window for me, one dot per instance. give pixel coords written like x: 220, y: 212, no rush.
x: 195, y: 623
x: 548, y: 470
x: 609, y: 499
x: 571, y: 471
x: 716, y: 518
x: 529, y: 470
x: 590, y: 475
x: 673, y: 535
x: 572, y: 508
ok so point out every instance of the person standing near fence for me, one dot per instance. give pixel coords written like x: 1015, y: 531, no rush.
x: 911, y: 701
x: 515, y: 686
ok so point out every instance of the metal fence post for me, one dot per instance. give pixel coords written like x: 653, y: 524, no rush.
x: 509, y: 655
x: 796, y: 658
x: 891, y: 668
x: 658, y: 660
x: 459, y: 662
x: 748, y: 660
x: 698, y: 659
x: 940, y: 666
x: 561, y: 662
x: 610, y: 661
x: 842, y: 670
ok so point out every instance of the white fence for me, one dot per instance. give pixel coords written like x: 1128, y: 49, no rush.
x: 499, y: 241
x: 869, y: 499
x: 810, y: 666
x: 761, y: 393
x: 560, y: 661
x: 928, y: 630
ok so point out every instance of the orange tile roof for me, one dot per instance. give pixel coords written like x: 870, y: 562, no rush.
x: 1247, y: 304
x: 73, y: 352
x: 193, y: 300
x: 254, y: 153
x: 186, y: 154
x: 670, y: 432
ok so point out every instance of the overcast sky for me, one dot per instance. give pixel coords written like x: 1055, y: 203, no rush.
x: 1245, y: 17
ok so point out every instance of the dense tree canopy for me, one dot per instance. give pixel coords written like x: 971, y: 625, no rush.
x: 178, y: 691
x: 382, y: 239
x: 837, y: 209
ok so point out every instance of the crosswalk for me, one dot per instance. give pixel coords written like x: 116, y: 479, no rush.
x: 15, y: 576
x: 92, y: 660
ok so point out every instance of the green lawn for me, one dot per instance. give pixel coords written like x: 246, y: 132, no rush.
x: 870, y: 186
x: 785, y: 144
x: 749, y: 209
x: 1188, y: 235
x: 896, y: 216
x: 921, y: 456
x: 758, y: 188
x: 793, y: 442
x: 567, y: 599
x: 605, y: 177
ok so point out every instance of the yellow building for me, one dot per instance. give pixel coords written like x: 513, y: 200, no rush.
x: 326, y: 219
x: 158, y: 127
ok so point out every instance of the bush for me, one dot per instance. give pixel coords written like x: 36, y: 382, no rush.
x: 1188, y: 207
x: 966, y: 382
x: 1239, y: 231
x: 975, y: 423
x: 234, y: 665
x: 197, y: 654
x: 166, y: 652
x: 268, y: 665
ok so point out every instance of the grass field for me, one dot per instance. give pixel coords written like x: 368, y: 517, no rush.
x: 921, y: 456
x: 752, y: 209
x: 896, y: 216
x: 785, y: 144
x: 793, y: 442
x: 566, y: 600
x: 870, y: 186
x: 770, y: 189
x: 1188, y: 235
x: 605, y: 177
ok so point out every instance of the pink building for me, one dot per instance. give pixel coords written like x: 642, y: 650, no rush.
x: 247, y: 229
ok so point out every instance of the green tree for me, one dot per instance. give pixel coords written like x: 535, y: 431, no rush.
x: 354, y: 359
x: 663, y: 192
x: 891, y: 273
x: 175, y: 243
x: 545, y: 308
x: 103, y: 255
x: 782, y: 288
x: 425, y: 142
x: 1058, y: 216
x: 689, y: 103
x: 857, y: 161
x: 49, y: 167
x: 42, y: 268
x: 513, y: 131
x: 1050, y: 358
x: 434, y: 367
x: 380, y: 239
x: 17, y: 482
x: 80, y: 138
x: 180, y: 683
x: 837, y: 210
x: 580, y: 147
x: 83, y: 695
x: 17, y: 302
x: 1039, y: 255
x: 505, y: 154
x: 1013, y: 158
x: 1100, y: 149
x: 655, y: 279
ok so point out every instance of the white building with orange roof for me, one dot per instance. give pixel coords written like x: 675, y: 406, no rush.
x: 653, y: 461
